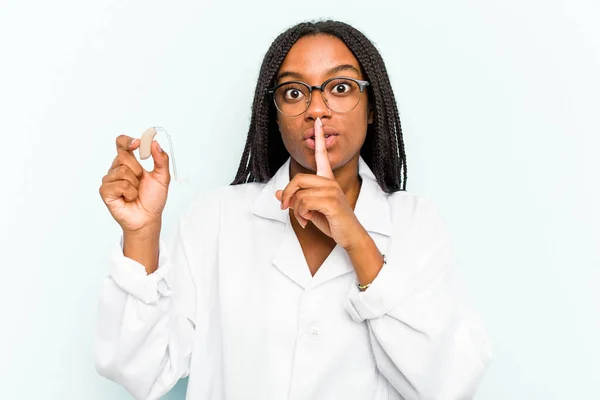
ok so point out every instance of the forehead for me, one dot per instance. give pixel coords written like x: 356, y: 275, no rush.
x: 313, y: 56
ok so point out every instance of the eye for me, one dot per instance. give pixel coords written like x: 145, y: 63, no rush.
x: 340, y: 88
x: 293, y: 94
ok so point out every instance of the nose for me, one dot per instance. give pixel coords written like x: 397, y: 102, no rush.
x: 317, y: 107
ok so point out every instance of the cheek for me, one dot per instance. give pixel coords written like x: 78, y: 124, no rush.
x: 359, y: 123
x: 288, y: 131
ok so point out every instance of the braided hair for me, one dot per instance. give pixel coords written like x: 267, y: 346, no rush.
x: 383, y: 149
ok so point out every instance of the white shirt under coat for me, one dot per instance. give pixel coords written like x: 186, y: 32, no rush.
x: 234, y: 306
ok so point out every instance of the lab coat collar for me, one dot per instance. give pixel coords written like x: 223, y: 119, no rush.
x: 372, y: 209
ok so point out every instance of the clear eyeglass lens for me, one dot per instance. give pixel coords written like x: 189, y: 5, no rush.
x: 341, y: 95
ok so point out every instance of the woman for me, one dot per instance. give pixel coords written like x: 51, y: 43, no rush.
x: 315, y: 275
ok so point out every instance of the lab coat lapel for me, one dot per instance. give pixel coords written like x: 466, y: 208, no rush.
x: 372, y: 210
x: 288, y: 258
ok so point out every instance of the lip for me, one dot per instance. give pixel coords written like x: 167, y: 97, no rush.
x: 329, y: 142
x: 327, y: 130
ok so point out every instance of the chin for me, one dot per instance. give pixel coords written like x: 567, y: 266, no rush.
x: 309, y: 162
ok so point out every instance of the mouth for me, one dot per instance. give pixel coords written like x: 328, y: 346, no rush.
x: 326, y: 137
x: 330, y: 141
x: 327, y: 130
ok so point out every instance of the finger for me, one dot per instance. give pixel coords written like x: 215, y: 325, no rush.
x: 321, y: 156
x: 114, y: 190
x: 125, y: 157
x: 308, y: 204
x: 297, y: 183
x: 302, y: 221
x: 303, y: 181
x: 307, y: 215
x: 121, y: 172
x: 128, y: 143
x: 161, y: 163
x: 129, y: 193
x: 302, y: 206
x: 321, y: 192
x: 303, y: 211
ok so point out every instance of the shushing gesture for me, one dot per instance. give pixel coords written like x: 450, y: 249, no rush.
x: 320, y: 199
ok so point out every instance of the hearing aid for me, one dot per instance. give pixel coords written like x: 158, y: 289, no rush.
x: 146, y: 142
x: 146, y: 145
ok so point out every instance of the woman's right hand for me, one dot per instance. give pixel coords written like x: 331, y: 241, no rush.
x: 135, y: 197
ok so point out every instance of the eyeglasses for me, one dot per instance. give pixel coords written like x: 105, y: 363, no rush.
x: 340, y: 94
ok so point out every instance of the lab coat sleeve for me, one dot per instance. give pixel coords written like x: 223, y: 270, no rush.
x: 145, y: 326
x: 426, y: 340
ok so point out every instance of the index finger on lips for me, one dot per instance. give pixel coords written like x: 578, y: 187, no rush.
x: 321, y: 156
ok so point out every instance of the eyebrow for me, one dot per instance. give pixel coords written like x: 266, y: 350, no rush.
x: 334, y: 70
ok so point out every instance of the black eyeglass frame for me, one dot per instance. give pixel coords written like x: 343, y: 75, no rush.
x: 361, y: 86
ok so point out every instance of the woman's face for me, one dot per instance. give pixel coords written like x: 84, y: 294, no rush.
x: 313, y: 60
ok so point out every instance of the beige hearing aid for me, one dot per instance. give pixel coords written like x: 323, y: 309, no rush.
x: 146, y: 143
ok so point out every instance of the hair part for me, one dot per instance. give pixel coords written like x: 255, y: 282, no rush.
x: 383, y: 150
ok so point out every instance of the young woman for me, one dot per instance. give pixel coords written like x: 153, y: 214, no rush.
x: 314, y: 275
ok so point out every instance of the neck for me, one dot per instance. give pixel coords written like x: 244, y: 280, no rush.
x: 346, y: 176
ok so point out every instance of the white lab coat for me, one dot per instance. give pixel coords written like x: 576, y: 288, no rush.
x: 233, y: 305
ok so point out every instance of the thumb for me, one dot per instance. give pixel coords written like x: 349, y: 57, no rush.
x: 161, y: 163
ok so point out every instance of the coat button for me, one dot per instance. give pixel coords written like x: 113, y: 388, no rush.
x: 314, y: 332
x: 163, y: 288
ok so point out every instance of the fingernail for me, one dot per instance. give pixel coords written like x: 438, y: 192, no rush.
x: 131, y: 142
x: 319, y: 122
x: 160, y: 150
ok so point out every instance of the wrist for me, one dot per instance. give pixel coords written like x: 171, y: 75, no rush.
x: 142, y: 246
x: 149, y: 231
x: 360, y: 242
x: 366, y: 259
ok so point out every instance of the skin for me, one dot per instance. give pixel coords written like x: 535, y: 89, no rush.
x: 136, y: 199
x: 324, y: 183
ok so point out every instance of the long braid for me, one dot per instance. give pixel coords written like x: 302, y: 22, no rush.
x: 389, y: 123
x: 383, y: 123
x: 388, y: 173
x: 383, y: 150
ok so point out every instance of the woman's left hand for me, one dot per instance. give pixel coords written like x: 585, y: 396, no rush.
x: 320, y: 199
